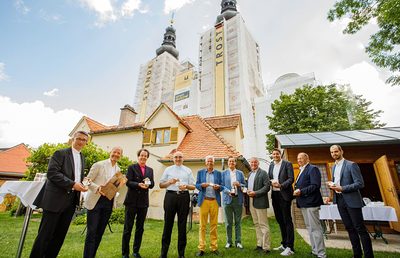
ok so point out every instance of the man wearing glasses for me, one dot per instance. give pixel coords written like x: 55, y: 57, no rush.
x: 177, y: 179
x: 59, y: 197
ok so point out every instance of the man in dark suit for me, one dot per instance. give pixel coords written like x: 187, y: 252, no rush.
x: 140, y: 180
x: 258, y: 188
x: 309, y: 200
x: 347, y: 182
x: 59, y: 197
x: 282, y: 177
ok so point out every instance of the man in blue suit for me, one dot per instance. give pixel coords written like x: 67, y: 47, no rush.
x: 309, y: 200
x: 232, y: 201
x: 347, y: 182
x: 209, y: 200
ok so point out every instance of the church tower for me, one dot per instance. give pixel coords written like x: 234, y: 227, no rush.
x: 156, y: 82
x: 230, y: 73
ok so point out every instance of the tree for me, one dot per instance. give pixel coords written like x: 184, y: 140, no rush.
x: 40, y: 157
x: 383, y: 47
x: 320, y: 109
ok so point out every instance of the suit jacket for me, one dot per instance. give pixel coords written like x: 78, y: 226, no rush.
x: 137, y: 196
x: 309, y: 183
x: 261, y: 187
x: 351, y: 181
x: 201, y: 178
x: 227, y: 186
x: 98, y: 175
x: 285, y: 178
x: 57, y: 194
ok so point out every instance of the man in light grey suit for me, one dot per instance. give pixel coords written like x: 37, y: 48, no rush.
x: 347, y: 182
x: 99, y: 207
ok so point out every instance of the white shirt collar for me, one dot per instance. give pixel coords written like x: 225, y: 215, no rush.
x: 340, y: 162
x: 280, y: 162
x: 75, y: 151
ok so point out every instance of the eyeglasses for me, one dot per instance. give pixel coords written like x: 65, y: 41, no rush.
x: 178, y: 157
x: 81, y: 139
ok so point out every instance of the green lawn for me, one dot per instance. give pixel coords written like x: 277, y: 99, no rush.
x: 10, y: 230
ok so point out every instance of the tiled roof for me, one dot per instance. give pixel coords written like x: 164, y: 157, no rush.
x: 94, y: 125
x: 116, y: 128
x: 13, y: 159
x: 203, y: 141
x: 222, y: 122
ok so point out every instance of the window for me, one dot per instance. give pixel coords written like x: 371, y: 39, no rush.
x: 160, y: 136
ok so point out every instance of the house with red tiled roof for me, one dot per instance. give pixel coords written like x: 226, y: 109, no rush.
x: 13, y: 162
x: 163, y: 133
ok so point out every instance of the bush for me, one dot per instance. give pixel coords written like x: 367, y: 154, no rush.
x: 80, y: 220
x: 117, y: 216
x: 14, y: 207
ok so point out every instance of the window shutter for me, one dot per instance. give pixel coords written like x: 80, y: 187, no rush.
x: 153, y: 136
x: 174, y: 134
x: 146, y: 136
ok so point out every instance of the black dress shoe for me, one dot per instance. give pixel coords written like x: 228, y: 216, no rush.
x: 216, y: 252
x: 258, y: 248
x: 200, y: 253
x: 125, y: 256
x: 137, y: 255
x: 266, y: 251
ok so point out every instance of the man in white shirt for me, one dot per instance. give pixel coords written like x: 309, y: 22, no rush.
x: 178, y: 180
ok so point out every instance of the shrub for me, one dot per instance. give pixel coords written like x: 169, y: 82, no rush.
x: 117, y: 216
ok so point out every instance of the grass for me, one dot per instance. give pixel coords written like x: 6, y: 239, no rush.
x: 10, y: 230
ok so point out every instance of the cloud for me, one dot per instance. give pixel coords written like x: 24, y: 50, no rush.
x: 50, y: 17
x: 364, y: 79
x: 51, y: 93
x: 33, y: 123
x: 110, y: 11
x: 3, y: 75
x: 171, y: 5
x: 21, y: 7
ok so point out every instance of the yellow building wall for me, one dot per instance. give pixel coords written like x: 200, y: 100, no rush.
x: 130, y: 141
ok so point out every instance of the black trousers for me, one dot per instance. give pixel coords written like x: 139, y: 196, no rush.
x: 97, y: 220
x: 354, y: 223
x: 283, y: 215
x: 130, y: 214
x: 175, y: 204
x: 52, y: 231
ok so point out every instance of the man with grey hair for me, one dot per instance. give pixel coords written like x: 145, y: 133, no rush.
x: 98, y: 205
x: 258, y: 188
x: 209, y: 200
x: 309, y: 200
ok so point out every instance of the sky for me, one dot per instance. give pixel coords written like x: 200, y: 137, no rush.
x: 60, y: 60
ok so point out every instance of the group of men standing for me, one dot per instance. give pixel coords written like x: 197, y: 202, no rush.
x: 61, y: 194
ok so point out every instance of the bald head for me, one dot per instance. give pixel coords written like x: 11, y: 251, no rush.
x: 302, y: 159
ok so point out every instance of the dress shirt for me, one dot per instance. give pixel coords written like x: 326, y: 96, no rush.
x: 210, y: 192
x: 301, y: 171
x: 338, y: 170
x: 233, y: 176
x: 112, y: 171
x: 275, y: 173
x: 77, y: 165
x: 183, y: 173
x: 250, y: 184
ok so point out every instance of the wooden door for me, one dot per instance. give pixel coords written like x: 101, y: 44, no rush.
x: 395, y: 176
x: 387, y: 187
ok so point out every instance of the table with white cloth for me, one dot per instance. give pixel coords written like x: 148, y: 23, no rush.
x: 26, y: 191
x: 371, y: 213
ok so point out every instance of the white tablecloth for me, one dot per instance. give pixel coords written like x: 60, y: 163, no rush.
x: 378, y: 213
x: 26, y: 191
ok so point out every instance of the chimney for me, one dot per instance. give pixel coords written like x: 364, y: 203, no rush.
x: 127, y: 117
